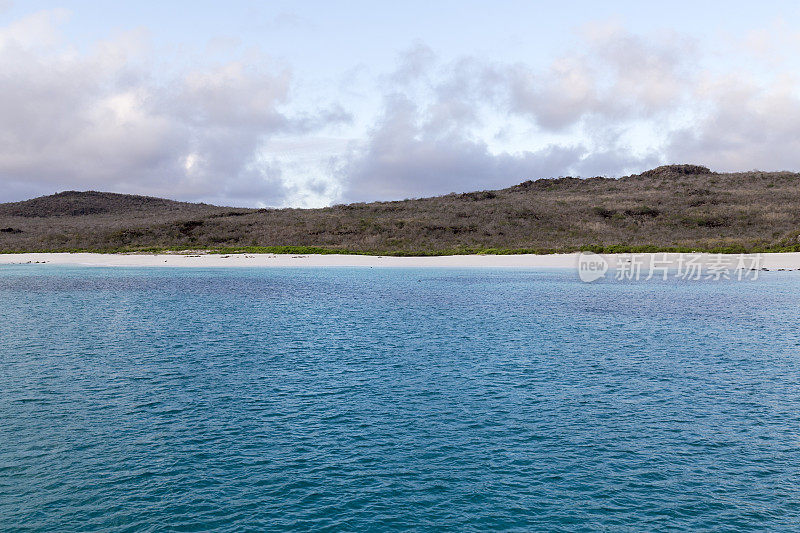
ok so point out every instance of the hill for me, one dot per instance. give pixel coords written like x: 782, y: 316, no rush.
x: 76, y: 203
x: 670, y: 207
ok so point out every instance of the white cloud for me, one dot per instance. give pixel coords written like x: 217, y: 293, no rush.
x: 221, y: 130
x: 103, y: 120
x: 35, y: 31
x: 617, y: 104
x: 616, y: 76
x: 745, y: 125
x: 432, y: 135
x: 412, y: 152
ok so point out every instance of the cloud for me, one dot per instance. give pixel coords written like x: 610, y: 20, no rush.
x: 229, y: 129
x: 431, y: 137
x: 619, y: 103
x: 34, y: 31
x: 746, y: 126
x: 104, y: 119
x: 617, y: 76
x: 414, y: 152
x: 413, y: 63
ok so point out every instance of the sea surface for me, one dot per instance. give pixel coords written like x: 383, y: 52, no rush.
x: 384, y: 399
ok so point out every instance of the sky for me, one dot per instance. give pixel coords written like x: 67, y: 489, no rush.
x: 307, y: 104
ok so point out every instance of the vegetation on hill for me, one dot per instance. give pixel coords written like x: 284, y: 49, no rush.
x: 676, y: 207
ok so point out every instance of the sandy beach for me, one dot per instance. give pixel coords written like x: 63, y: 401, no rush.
x: 770, y: 261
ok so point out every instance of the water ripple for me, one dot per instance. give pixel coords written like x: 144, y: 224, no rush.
x: 228, y: 400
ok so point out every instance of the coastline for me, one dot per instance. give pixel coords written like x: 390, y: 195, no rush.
x: 768, y: 261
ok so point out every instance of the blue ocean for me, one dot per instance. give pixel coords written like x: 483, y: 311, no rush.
x: 396, y: 399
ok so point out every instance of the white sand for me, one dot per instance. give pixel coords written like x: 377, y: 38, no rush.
x: 288, y: 260
x: 773, y: 261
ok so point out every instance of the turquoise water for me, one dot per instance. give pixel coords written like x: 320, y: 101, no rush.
x: 368, y: 399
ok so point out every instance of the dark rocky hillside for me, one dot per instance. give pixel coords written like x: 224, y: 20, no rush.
x: 677, y: 206
x: 77, y: 203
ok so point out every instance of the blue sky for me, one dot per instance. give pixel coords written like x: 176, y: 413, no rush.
x: 314, y: 103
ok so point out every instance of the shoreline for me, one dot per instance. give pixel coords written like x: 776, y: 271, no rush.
x: 768, y: 261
